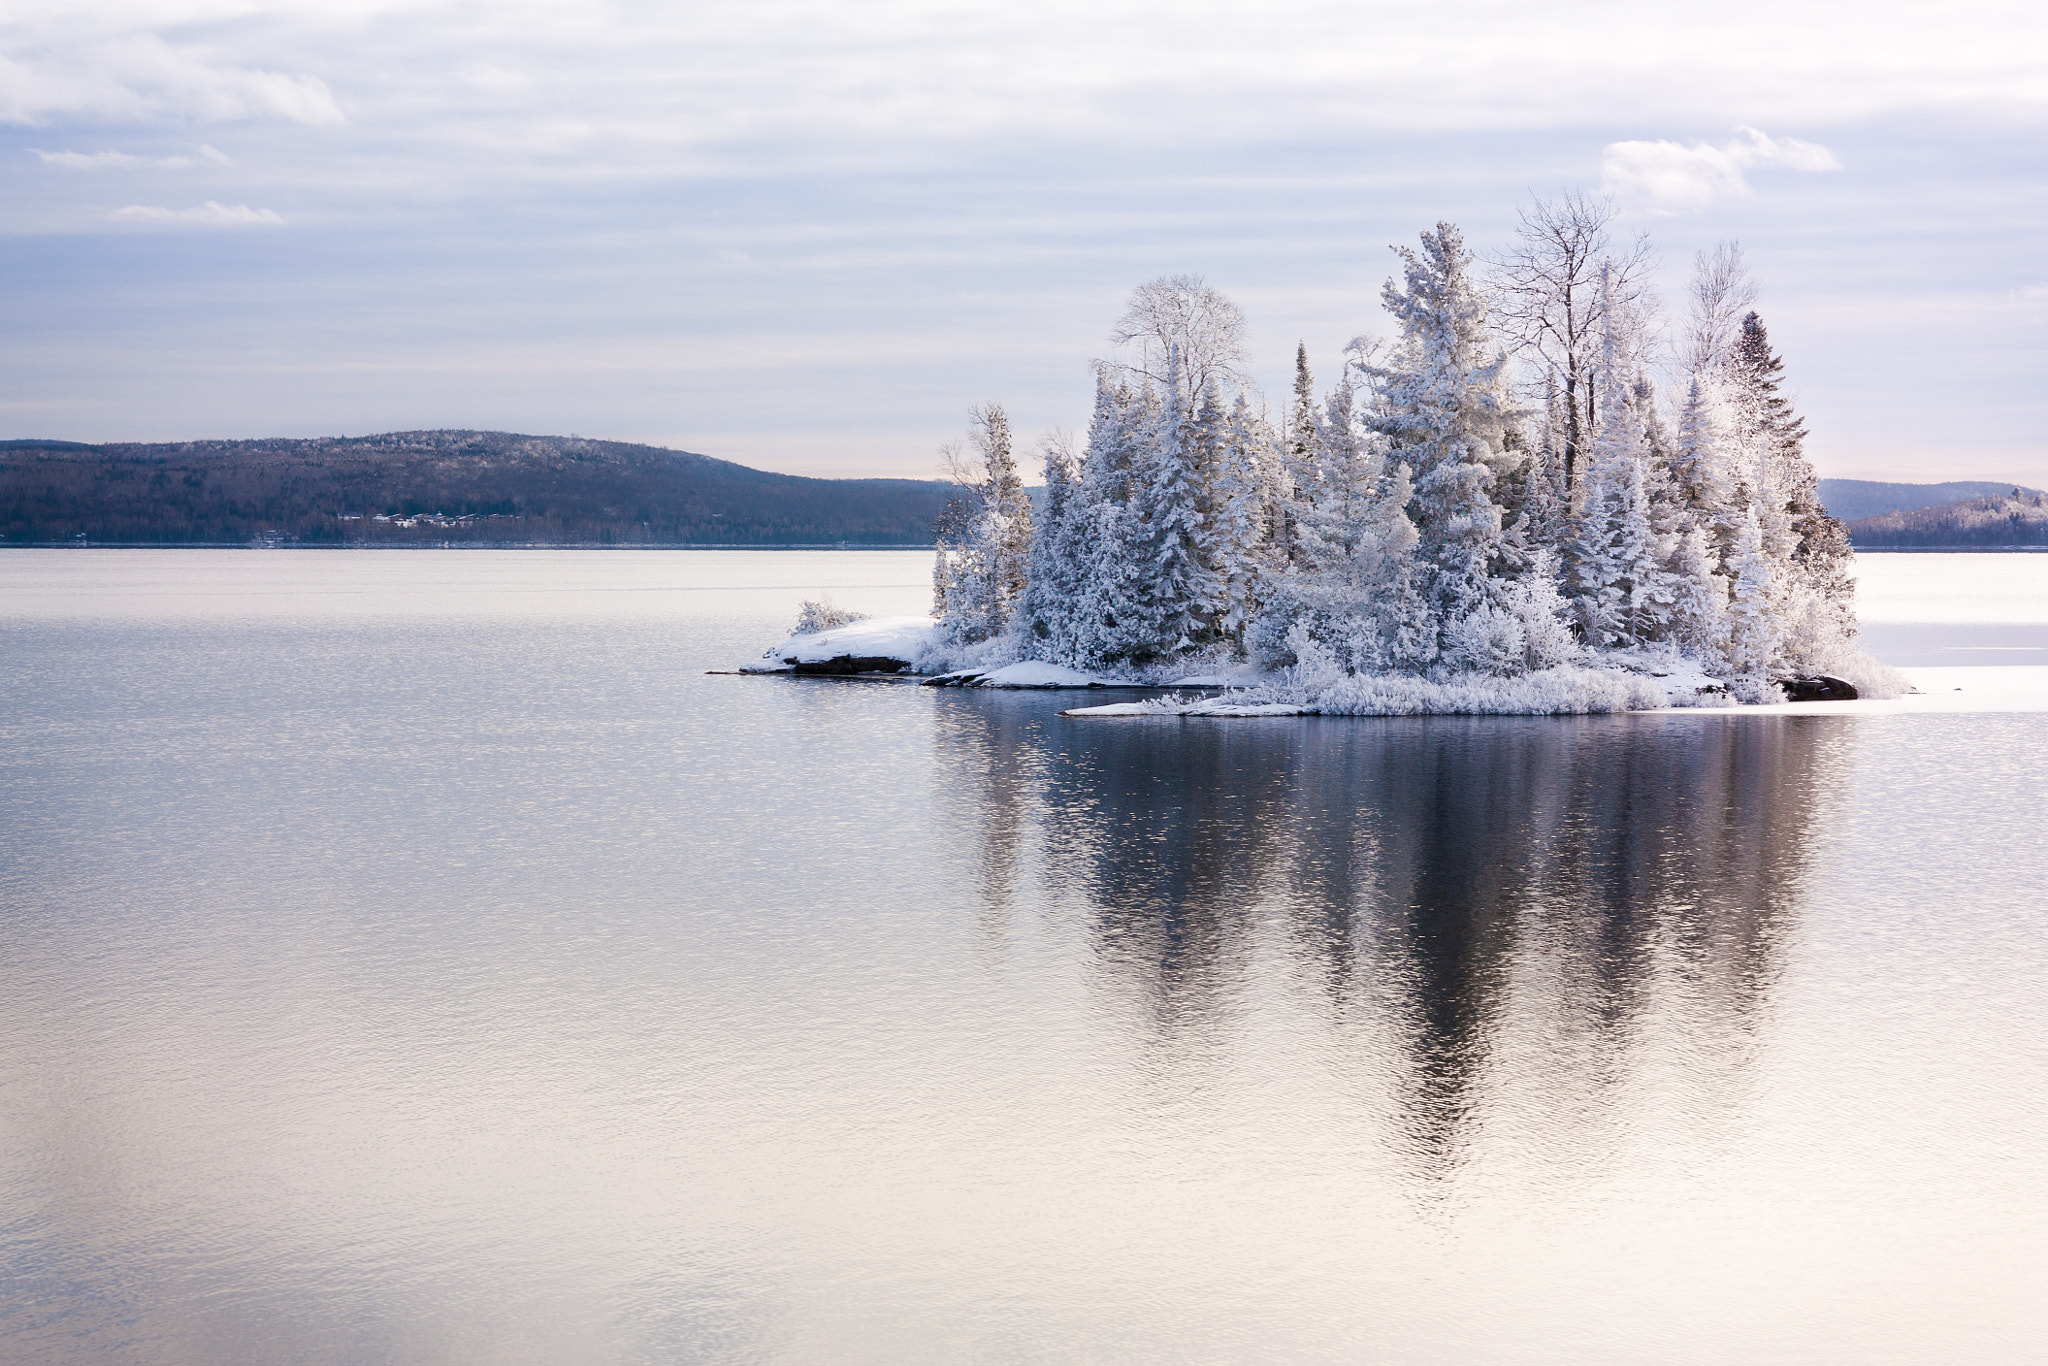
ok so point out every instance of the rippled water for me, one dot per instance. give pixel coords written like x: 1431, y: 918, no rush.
x: 418, y: 957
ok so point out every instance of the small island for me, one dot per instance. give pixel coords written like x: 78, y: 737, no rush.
x: 1501, y: 510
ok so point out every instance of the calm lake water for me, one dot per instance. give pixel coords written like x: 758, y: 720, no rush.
x: 417, y: 957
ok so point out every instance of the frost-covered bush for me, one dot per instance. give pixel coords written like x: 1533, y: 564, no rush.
x: 1316, y: 668
x: 1564, y: 691
x: 1543, y: 615
x: 820, y: 615
x: 1488, y: 641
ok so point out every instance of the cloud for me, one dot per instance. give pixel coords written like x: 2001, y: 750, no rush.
x: 125, y: 161
x: 211, y: 214
x: 140, y: 78
x: 1669, y: 178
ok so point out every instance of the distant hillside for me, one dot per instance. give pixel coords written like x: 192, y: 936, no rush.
x: 1851, y: 500
x: 413, y: 488
x: 2018, y: 517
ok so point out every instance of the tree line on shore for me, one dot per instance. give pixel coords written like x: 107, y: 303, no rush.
x: 1501, y: 488
x: 438, y: 487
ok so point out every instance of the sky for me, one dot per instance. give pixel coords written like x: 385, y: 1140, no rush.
x: 807, y: 236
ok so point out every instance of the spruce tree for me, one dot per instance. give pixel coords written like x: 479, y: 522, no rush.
x: 1053, y: 582
x: 1183, y: 587
x: 1814, y: 545
x: 1442, y: 405
x: 984, y: 538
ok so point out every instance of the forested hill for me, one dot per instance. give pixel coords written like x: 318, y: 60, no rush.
x: 1851, y: 500
x: 2016, y: 519
x: 431, y: 488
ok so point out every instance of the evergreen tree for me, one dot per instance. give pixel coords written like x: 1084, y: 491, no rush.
x: 1242, y: 496
x: 1753, y: 632
x: 1106, y: 535
x: 1053, y: 583
x: 1812, y: 545
x: 1442, y: 405
x: 984, y: 538
x: 1298, y: 460
x: 1183, y: 586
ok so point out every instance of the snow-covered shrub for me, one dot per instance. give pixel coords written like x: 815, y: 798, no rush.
x: 1316, y: 668
x: 1543, y: 615
x: 1488, y: 641
x: 1564, y: 691
x: 818, y: 614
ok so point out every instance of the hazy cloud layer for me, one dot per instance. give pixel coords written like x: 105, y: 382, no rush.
x: 666, y: 222
x: 211, y: 214
x: 111, y: 160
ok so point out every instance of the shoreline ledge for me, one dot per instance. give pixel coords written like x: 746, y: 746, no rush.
x: 907, y: 648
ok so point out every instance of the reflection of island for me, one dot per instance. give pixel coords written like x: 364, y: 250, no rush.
x: 1577, y: 897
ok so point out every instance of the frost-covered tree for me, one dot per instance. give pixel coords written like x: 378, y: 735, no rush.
x: 1184, y: 585
x: 1104, y: 534
x: 1441, y: 404
x: 1721, y: 292
x: 1814, y: 544
x: 1351, y: 579
x: 1198, y: 326
x: 984, y: 536
x: 1244, y: 494
x: 1753, y: 632
x: 1056, y: 573
x: 1556, y: 287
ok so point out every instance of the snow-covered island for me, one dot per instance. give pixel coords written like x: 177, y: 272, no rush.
x: 1502, y: 511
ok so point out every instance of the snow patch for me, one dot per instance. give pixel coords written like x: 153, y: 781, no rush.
x: 903, y: 639
x: 1563, y: 691
x: 1034, y: 673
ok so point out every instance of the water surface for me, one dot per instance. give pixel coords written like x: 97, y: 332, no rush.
x: 417, y: 957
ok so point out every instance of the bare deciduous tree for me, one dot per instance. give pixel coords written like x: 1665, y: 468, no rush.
x: 1722, y: 292
x: 1185, y: 312
x: 1551, y: 303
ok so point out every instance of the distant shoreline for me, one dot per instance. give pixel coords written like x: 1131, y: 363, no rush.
x: 446, y: 545
x: 821, y: 545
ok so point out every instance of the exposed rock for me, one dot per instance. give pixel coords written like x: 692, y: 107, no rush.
x: 1819, y: 688
x: 849, y: 664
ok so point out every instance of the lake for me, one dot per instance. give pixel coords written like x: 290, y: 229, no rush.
x: 419, y: 957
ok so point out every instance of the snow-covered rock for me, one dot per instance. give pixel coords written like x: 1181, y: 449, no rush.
x: 1026, y: 673
x: 1034, y: 673
x: 876, y: 645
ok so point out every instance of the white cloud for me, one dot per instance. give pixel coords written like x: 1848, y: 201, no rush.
x: 124, y: 161
x: 140, y: 78
x: 1670, y: 178
x: 211, y: 214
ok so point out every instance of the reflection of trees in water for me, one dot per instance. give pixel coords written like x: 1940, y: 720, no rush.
x: 1577, y: 893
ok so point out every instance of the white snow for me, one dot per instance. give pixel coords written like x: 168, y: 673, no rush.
x: 1563, y: 691
x: 904, y: 638
x: 1033, y: 673
x: 1981, y: 688
x: 1238, y: 676
x: 2015, y: 688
